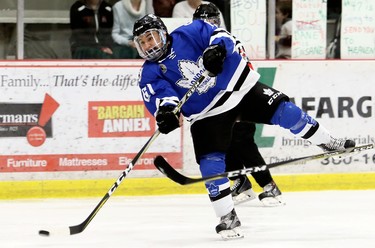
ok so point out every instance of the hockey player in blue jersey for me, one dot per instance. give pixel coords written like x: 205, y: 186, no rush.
x: 232, y: 92
x: 243, y: 152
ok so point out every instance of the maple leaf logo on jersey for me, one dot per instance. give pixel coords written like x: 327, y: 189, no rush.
x: 190, y: 72
x: 268, y: 92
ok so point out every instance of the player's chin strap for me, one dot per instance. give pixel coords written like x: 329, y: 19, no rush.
x: 81, y: 227
x: 164, y: 167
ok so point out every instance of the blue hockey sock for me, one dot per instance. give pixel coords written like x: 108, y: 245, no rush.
x: 211, y: 164
x: 218, y: 190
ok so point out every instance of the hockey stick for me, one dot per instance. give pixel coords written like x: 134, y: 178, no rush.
x: 81, y: 227
x: 165, y: 168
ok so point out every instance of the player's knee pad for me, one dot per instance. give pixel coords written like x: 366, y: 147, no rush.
x: 289, y: 116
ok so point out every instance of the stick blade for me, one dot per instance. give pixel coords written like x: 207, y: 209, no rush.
x: 164, y: 167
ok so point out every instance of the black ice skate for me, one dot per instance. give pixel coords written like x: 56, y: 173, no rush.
x: 337, y: 144
x: 271, y: 196
x: 230, y: 226
x: 242, y: 191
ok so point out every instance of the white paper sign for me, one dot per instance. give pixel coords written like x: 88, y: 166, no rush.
x: 358, y: 29
x: 248, y: 24
x: 309, y: 29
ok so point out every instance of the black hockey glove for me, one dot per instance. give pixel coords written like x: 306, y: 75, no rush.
x: 166, y: 119
x: 213, y: 59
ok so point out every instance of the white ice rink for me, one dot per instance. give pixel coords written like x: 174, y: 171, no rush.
x: 342, y: 219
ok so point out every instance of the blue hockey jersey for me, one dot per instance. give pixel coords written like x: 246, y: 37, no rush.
x: 166, y: 81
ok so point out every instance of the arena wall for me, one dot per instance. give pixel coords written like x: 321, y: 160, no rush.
x: 69, y: 128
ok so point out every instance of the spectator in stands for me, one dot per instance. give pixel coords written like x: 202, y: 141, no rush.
x: 125, y: 13
x: 186, y: 9
x: 284, y: 39
x: 91, y: 23
x: 163, y: 8
x: 149, y: 6
x: 333, y: 48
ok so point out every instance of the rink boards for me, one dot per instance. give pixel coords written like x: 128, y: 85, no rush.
x: 99, y: 123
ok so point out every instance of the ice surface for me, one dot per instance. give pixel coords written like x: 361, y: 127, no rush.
x: 322, y: 219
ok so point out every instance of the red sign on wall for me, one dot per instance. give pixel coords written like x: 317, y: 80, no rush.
x: 82, y: 162
x: 120, y: 119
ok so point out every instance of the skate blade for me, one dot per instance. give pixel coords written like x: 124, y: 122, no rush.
x: 235, y: 233
x: 245, y: 196
x: 273, y: 201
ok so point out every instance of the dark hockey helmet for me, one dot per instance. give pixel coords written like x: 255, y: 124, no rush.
x: 150, y: 37
x: 208, y: 12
